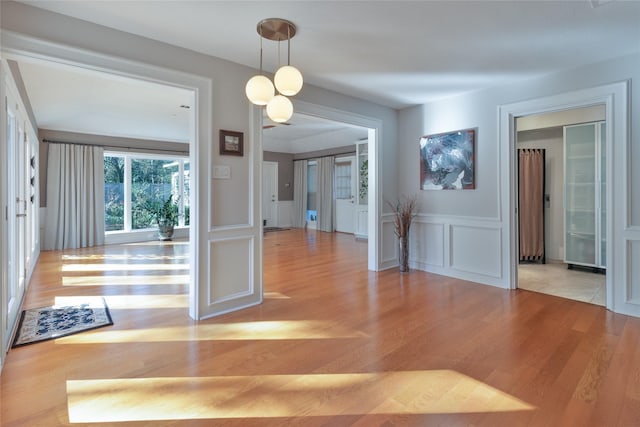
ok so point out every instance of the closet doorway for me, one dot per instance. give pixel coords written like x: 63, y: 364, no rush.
x: 561, y: 203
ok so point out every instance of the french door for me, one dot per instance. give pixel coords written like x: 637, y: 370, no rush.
x: 15, y: 214
x: 345, y: 194
x: 19, y: 226
x: 270, y: 194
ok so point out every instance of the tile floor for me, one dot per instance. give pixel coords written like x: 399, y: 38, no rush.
x: 554, y: 278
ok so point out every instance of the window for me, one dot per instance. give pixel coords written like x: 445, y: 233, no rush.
x: 312, y: 189
x: 343, y: 179
x: 113, y: 193
x: 135, y: 184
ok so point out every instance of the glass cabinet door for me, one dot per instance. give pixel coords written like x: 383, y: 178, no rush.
x: 580, y: 200
x: 602, y: 262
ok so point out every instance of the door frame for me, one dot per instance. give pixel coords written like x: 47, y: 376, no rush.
x: 374, y: 125
x: 615, y: 98
x: 275, y: 209
x: 25, y: 48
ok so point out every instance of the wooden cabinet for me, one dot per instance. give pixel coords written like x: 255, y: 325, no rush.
x: 585, y: 195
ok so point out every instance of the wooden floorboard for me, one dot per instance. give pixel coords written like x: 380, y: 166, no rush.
x: 332, y: 345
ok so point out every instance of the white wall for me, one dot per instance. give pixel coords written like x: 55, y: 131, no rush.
x: 459, y: 232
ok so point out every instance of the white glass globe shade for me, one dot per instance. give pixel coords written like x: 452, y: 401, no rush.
x: 280, y: 109
x: 288, y: 80
x: 259, y: 90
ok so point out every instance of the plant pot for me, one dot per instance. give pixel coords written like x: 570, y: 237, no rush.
x: 165, y: 231
x: 403, y: 254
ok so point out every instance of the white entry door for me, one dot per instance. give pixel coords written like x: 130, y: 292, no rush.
x: 270, y: 194
x: 345, y: 192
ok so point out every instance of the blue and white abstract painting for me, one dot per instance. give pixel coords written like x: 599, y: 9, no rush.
x: 447, y: 161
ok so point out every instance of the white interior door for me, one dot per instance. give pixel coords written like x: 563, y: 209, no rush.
x: 270, y: 194
x: 21, y: 181
x: 13, y: 287
x: 345, y: 192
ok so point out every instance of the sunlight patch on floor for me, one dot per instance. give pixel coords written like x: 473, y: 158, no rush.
x: 261, y: 330
x: 123, y: 267
x: 266, y: 396
x: 124, y: 257
x: 159, y: 243
x: 66, y: 301
x: 275, y: 295
x: 131, y: 279
x: 119, y: 302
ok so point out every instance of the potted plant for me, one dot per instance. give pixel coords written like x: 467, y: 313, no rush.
x: 166, y: 214
x: 405, y: 210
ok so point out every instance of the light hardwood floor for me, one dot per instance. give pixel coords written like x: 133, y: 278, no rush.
x: 332, y: 345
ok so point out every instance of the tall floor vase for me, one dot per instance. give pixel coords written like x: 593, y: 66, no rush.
x: 403, y: 254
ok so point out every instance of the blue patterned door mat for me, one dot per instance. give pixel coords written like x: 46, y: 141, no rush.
x: 46, y: 323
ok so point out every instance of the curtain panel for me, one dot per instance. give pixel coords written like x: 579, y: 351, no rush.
x: 326, y: 212
x: 75, y: 196
x: 299, y: 194
x: 531, y: 204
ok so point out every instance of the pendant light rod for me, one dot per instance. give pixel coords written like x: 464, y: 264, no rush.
x: 288, y: 46
x: 260, y: 54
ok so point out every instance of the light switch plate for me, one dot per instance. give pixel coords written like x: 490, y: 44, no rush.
x: 222, y: 172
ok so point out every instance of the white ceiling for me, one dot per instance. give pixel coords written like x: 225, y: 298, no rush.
x: 302, y: 132
x: 395, y: 53
x: 73, y: 99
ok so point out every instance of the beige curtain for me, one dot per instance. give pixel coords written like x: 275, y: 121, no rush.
x: 531, y: 204
x: 326, y: 212
x: 75, y: 197
x: 299, y: 218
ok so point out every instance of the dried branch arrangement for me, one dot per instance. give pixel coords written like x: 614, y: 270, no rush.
x: 405, y: 209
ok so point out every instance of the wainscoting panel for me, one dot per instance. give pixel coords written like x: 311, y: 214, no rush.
x: 285, y: 213
x: 231, y: 269
x: 467, y: 248
x: 462, y: 247
x: 389, y: 244
x: 476, y: 250
x: 633, y: 278
x: 361, y: 221
x: 427, y: 245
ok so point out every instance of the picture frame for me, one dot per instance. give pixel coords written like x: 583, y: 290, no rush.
x: 447, y: 160
x: 231, y: 143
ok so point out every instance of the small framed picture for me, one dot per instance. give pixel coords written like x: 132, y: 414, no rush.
x: 231, y: 143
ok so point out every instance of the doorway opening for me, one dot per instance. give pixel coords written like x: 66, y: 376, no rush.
x: 315, y: 133
x: 561, y: 163
x: 120, y: 71
x: 563, y: 275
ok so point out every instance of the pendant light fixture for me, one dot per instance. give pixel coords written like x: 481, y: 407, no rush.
x: 288, y: 79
